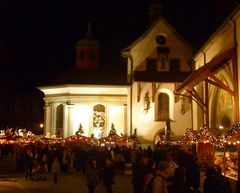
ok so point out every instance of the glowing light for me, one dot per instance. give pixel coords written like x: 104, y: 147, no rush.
x: 220, y: 127
x: 81, y: 114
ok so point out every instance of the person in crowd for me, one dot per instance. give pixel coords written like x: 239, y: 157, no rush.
x: 172, y: 167
x: 140, y: 171
x: 223, y: 180
x: 28, y: 164
x: 192, y: 170
x: 211, y: 182
x: 179, y: 184
x: 148, y: 181
x: 43, y: 168
x: 66, y: 160
x: 55, y: 170
x: 108, y: 174
x: 160, y: 180
x: 92, y: 175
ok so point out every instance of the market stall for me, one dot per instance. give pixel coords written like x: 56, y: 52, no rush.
x: 80, y: 139
x: 205, y: 145
x: 113, y: 140
x: 227, y: 155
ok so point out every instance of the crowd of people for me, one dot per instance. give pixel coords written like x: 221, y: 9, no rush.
x: 163, y: 169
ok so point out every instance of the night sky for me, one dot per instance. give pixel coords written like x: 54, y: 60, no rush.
x: 39, y: 36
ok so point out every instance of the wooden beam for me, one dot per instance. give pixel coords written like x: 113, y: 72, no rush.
x: 218, y: 83
x: 235, y: 86
x: 206, y: 104
x: 190, y: 96
x: 198, y: 98
x: 153, y: 91
x: 138, y: 91
x: 202, y: 73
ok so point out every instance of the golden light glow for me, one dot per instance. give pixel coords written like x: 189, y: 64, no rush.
x: 81, y: 114
x: 220, y: 127
x: 83, y: 89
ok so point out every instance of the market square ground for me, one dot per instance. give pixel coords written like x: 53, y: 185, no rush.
x: 12, y: 181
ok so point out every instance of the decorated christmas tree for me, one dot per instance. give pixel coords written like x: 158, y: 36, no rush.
x: 80, y: 130
x: 112, y: 131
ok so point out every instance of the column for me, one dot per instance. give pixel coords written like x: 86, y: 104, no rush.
x: 125, y: 120
x: 70, y: 123
x: 47, y: 120
x: 67, y: 120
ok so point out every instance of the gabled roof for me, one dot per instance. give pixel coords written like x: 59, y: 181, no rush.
x: 161, y: 18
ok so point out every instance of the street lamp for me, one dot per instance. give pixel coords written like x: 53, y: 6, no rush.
x: 41, y: 125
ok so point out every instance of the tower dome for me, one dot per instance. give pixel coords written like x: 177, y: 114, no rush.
x: 87, y: 52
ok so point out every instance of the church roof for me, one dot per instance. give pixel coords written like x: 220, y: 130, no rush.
x: 161, y: 18
x: 88, y: 42
x: 94, y: 77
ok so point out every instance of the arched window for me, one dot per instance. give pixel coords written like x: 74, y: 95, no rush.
x: 59, y: 121
x: 163, y: 107
x: 98, y: 120
x: 82, y: 55
x: 92, y: 55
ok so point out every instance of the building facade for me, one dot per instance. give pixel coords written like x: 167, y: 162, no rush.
x: 145, y: 104
x: 167, y: 87
x: 214, y: 85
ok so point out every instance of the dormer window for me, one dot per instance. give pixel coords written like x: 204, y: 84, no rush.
x: 151, y: 64
x: 174, y: 64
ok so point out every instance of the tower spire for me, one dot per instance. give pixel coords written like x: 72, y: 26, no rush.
x: 89, y: 27
x: 155, y: 11
x: 87, y: 50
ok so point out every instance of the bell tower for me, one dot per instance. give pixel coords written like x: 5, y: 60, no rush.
x: 155, y: 11
x: 87, y: 52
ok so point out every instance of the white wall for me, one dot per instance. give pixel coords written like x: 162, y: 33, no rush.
x: 116, y: 116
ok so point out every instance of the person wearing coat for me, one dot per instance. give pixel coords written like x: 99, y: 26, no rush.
x: 160, y: 181
x: 92, y: 175
x: 108, y: 173
x: 55, y: 170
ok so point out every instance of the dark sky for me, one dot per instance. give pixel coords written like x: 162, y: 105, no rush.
x: 40, y: 35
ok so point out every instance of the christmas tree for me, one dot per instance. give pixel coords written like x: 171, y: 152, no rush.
x: 112, y: 131
x: 80, y: 130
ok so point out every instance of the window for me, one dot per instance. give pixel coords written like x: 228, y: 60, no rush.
x: 92, y: 55
x: 163, y: 107
x: 174, y: 64
x: 82, y: 55
x: 151, y: 64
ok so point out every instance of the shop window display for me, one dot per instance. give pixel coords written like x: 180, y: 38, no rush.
x: 227, y: 158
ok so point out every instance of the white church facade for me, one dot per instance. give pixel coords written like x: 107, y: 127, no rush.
x: 157, y: 62
x: 165, y: 87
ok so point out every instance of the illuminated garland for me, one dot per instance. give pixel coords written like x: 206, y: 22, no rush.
x: 235, y: 129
